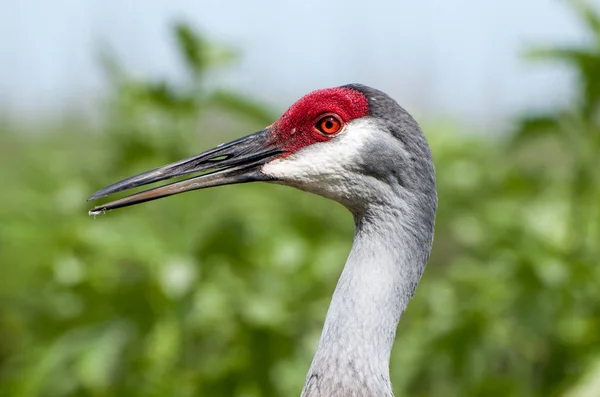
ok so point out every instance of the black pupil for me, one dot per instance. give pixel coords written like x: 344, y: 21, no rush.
x: 328, y: 125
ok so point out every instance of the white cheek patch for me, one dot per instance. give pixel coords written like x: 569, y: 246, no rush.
x: 324, y: 166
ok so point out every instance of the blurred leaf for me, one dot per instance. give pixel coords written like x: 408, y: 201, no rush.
x: 242, y: 107
x: 198, y: 54
x: 590, y: 16
x: 193, y: 48
x: 534, y: 127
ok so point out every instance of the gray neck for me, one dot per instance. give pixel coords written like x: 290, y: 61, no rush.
x: 382, y: 271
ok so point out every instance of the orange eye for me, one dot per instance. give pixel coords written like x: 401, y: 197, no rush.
x: 329, y: 125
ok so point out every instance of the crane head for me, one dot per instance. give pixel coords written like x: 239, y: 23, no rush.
x: 353, y: 144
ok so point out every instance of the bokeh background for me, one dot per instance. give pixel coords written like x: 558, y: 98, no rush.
x: 223, y: 292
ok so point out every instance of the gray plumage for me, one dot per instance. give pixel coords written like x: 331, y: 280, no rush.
x: 394, y: 209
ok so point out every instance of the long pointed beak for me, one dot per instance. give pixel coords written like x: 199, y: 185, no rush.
x: 238, y: 161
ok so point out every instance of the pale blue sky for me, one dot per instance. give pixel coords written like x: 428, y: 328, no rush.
x: 437, y: 57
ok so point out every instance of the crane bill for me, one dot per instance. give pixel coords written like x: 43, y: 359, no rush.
x: 199, y: 182
x: 238, y: 161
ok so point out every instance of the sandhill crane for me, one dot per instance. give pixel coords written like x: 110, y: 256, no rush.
x: 357, y: 146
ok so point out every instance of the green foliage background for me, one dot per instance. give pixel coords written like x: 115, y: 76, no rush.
x: 223, y: 292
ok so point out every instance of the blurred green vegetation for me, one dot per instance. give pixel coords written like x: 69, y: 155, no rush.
x: 223, y: 292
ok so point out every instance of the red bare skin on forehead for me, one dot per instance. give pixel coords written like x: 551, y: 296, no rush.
x: 296, y: 127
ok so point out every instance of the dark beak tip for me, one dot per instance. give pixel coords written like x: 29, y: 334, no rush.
x: 94, y: 196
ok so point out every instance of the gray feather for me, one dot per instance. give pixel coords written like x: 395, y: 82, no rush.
x: 394, y: 232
